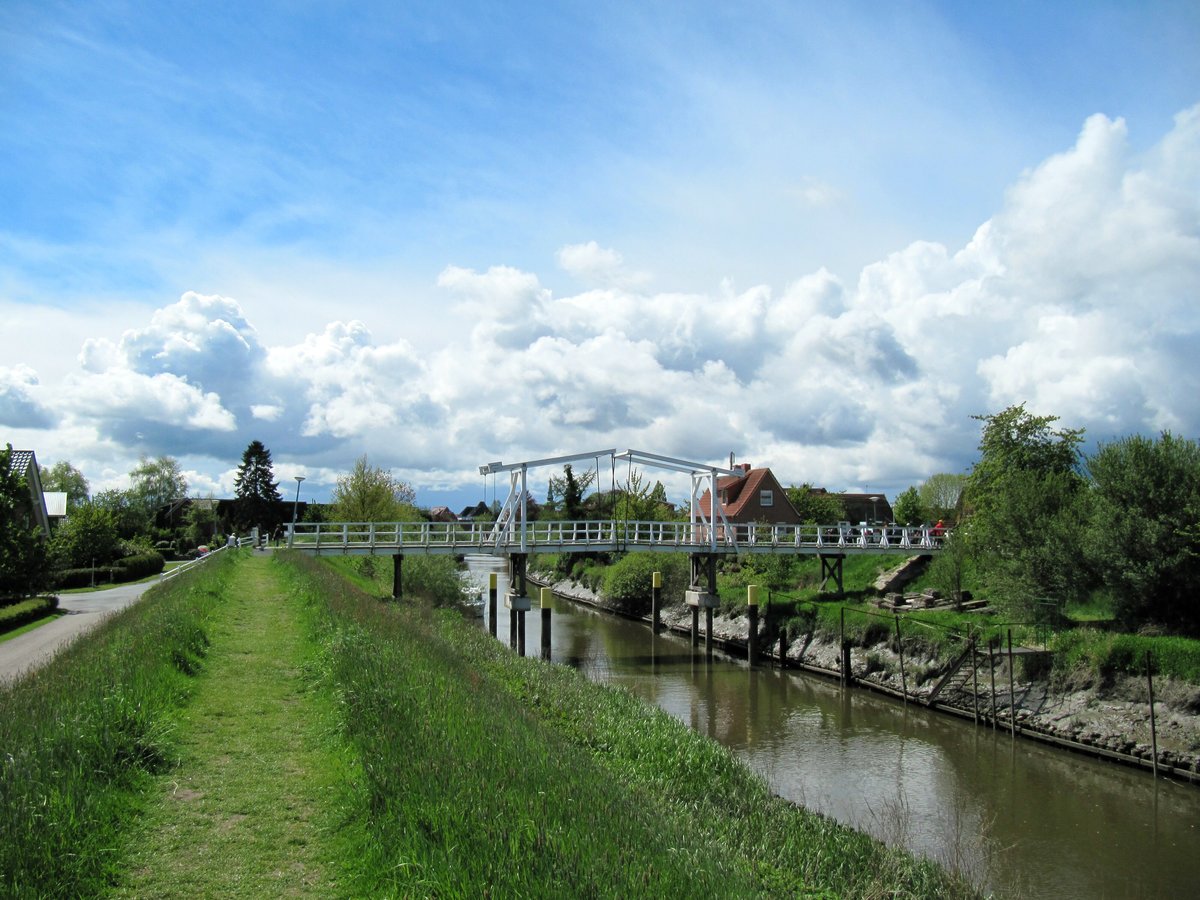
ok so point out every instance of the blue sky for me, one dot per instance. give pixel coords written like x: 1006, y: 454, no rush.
x: 442, y: 234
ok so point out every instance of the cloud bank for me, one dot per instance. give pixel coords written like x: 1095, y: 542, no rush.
x: 1078, y: 297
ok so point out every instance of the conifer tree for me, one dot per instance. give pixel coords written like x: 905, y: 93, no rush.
x: 256, y: 490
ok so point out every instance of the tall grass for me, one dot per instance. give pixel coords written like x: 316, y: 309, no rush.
x: 80, y: 734
x: 491, y: 774
x: 1107, y: 654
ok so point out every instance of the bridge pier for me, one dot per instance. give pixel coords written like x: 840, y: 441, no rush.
x: 517, y: 601
x: 397, y: 579
x: 703, y: 595
x: 831, y: 567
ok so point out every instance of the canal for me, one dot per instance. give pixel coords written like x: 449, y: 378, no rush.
x: 1021, y: 819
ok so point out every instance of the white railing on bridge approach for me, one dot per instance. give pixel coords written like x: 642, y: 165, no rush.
x: 580, y: 536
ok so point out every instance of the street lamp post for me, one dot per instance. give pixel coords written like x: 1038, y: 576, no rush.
x: 295, y: 507
x: 874, y: 514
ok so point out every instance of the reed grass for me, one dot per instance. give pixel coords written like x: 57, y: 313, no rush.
x: 488, y: 774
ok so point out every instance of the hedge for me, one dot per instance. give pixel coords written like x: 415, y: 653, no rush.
x: 17, y: 614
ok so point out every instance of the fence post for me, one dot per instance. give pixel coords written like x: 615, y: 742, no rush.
x: 845, y: 669
x: 1012, y: 691
x: 992, y: 672
x: 975, y: 675
x: 1153, y: 730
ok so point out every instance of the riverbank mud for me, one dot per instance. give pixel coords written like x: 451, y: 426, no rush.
x: 1110, y: 721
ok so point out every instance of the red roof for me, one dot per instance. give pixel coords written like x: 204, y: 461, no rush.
x: 740, y: 498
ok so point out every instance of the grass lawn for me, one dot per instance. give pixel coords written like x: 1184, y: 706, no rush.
x: 29, y: 626
x: 252, y: 807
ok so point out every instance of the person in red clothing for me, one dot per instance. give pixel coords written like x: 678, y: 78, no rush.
x: 938, y: 530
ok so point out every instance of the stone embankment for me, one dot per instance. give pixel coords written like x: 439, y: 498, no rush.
x: 1111, y: 722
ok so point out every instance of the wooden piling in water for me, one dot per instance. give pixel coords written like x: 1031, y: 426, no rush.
x: 545, y: 596
x: 752, y: 612
x: 493, y: 579
x: 656, y: 602
x: 900, y: 650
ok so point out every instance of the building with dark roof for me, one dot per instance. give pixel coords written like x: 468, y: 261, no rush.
x: 24, y: 463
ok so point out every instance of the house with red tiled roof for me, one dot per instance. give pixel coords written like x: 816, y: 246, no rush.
x: 756, y: 496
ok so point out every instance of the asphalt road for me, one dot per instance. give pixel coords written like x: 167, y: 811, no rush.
x: 84, y: 611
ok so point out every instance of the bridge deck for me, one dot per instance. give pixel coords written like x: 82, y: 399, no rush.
x: 458, y: 538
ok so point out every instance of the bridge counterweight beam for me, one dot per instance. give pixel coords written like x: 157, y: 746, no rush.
x: 397, y: 579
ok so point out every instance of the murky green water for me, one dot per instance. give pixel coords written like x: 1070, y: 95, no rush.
x: 1022, y: 819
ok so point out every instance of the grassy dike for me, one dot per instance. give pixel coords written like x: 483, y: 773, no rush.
x: 261, y: 802
x: 486, y: 774
x: 261, y: 727
x: 81, y: 737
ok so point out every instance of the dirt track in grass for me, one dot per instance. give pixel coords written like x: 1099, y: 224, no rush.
x: 251, y: 809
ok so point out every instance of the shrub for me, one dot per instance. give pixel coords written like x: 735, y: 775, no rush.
x: 65, y: 579
x: 628, y: 582
x: 15, y: 615
x: 143, y: 565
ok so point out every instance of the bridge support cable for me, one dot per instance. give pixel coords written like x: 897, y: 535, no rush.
x: 703, y: 477
x: 516, y: 506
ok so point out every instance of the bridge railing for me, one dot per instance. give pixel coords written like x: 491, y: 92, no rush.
x: 464, y: 537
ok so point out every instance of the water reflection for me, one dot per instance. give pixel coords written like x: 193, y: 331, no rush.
x: 1022, y: 818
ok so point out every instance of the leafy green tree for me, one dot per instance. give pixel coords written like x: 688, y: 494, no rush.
x: 62, y: 476
x: 1143, y: 539
x: 1029, y: 502
x: 130, y: 516
x: 23, y: 559
x: 952, y: 567
x: 637, y: 501
x: 200, y: 521
x: 1017, y: 441
x: 815, y: 506
x: 939, y: 495
x: 908, y: 509
x: 256, y: 490
x: 87, y: 537
x: 371, y: 494
x: 156, y: 483
x: 571, y: 489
